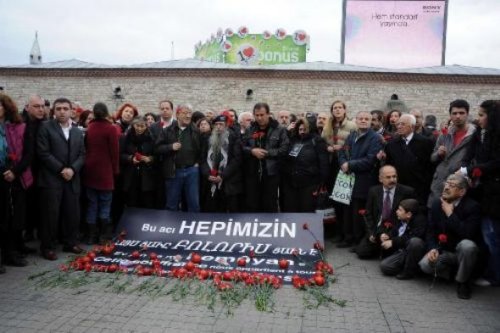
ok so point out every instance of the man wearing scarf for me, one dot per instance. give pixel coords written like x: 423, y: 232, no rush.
x: 220, y: 168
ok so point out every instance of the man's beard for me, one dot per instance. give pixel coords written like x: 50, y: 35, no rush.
x: 218, y: 140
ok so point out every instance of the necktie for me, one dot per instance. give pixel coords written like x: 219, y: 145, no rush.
x: 386, y: 208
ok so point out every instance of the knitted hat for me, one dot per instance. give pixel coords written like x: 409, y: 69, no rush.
x: 220, y: 119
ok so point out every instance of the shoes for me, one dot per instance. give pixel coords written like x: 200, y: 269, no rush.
x: 344, y: 244
x: 481, y: 282
x: 73, y: 249
x: 463, y: 291
x: 15, y: 261
x: 49, y: 255
x: 404, y: 276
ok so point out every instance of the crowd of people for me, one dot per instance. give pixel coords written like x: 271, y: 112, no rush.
x: 423, y: 198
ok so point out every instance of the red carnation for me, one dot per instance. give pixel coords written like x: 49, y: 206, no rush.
x: 335, y: 139
x: 305, y: 226
x: 138, y: 156
x: 387, y: 137
x: 213, y: 172
x: 476, y: 173
x: 362, y: 212
x: 387, y: 225
x: 251, y: 254
x: 443, y: 239
x: 12, y: 157
x: 444, y: 131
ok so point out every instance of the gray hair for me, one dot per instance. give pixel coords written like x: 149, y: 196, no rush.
x: 413, y: 120
x: 461, y: 180
x: 243, y: 114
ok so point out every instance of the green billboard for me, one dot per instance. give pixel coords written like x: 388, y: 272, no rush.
x: 254, y: 49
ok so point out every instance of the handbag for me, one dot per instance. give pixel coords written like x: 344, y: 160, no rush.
x: 342, y: 191
x: 324, y: 205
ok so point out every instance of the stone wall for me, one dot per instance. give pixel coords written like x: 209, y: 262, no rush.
x: 216, y: 89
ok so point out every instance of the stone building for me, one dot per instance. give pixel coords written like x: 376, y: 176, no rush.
x: 296, y: 87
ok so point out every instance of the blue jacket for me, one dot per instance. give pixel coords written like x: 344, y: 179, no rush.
x: 360, y: 152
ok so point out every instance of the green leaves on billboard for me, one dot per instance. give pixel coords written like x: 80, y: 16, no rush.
x: 255, y: 49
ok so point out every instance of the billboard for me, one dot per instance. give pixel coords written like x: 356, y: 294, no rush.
x: 394, y: 34
x: 244, y: 48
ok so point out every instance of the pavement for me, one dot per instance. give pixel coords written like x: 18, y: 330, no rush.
x: 375, y: 303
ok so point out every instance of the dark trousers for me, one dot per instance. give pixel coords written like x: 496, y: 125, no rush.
x: 298, y: 199
x: 353, y: 227
x: 12, y: 216
x: 368, y: 250
x: 262, y: 196
x: 404, y: 260
x: 33, y: 214
x: 59, y: 205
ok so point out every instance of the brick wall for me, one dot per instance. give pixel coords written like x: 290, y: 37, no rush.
x: 216, y: 89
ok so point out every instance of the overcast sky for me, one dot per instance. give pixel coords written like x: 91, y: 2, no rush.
x: 122, y: 32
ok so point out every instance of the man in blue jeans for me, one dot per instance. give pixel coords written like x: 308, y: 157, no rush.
x: 179, y: 146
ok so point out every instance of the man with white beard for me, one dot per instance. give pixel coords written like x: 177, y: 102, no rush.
x: 221, y: 169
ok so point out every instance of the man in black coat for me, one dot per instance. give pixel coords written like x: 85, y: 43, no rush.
x: 382, y: 203
x: 61, y: 151
x: 178, y: 147
x: 453, y: 235
x: 264, y: 152
x: 410, y: 153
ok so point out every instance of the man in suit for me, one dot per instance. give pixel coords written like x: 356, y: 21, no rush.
x: 61, y: 152
x: 381, y: 205
x: 410, y: 154
x: 453, y: 234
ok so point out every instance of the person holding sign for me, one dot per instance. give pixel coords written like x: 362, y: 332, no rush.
x: 358, y: 156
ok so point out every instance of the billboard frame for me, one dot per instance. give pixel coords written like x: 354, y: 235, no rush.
x: 445, y: 23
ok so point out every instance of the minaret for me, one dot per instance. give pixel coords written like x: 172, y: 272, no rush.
x: 35, y: 54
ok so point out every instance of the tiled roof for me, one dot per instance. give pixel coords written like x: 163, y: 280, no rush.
x: 307, y: 66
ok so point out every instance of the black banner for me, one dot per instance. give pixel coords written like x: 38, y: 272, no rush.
x: 278, y: 244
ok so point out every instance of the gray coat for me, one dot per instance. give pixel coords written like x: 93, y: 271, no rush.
x: 56, y: 153
x: 451, y: 162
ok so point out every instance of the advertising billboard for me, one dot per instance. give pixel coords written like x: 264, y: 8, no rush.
x: 244, y: 48
x: 394, y: 34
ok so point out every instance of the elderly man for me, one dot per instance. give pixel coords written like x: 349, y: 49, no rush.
x: 453, y: 234
x: 33, y: 117
x: 221, y: 169
x: 410, y: 154
x: 321, y: 121
x: 264, y: 151
x: 451, y: 147
x: 179, y: 147
x: 61, y: 152
x: 358, y: 156
x: 245, y: 119
x: 284, y: 118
